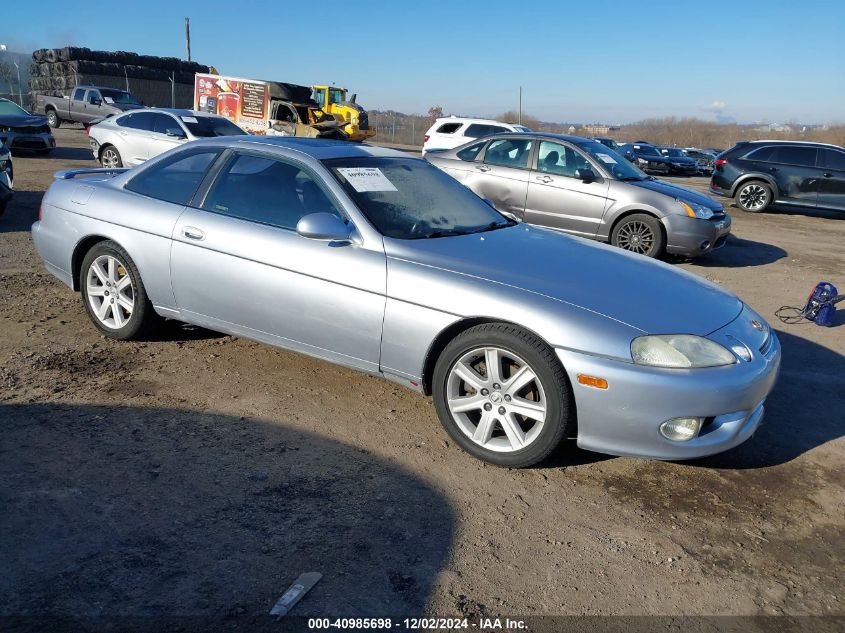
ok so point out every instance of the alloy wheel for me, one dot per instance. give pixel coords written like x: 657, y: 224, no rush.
x: 635, y: 236
x: 110, y: 158
x: 110, y: 292
x: 496, y: 399
x: 753, y: 196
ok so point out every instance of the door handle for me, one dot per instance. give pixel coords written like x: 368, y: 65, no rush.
x: 827, y: 174
x: 545, y: 179
x: 482, y: 168
x: 773, y: 168
x: 193, y: 233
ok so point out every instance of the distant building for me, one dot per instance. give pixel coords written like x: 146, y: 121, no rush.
x: 597, y: 129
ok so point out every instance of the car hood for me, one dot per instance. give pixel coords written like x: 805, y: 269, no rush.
x: 676, y: 191
x: 649, y: 295
x: 22, y: 120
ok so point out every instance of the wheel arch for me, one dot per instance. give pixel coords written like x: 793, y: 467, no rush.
x: 764, y: 178
x: 450, y: 332
x: 80, y: 250
x: 628, y: 213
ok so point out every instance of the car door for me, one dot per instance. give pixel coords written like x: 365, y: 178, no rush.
x: 794, y: 169
x: 501, y: 176
x: 239, y: 265
x: 832, y: 184
x: 559, y: 200
x: 165, y: 134
x: 133, y: 131
x: 91, y: 106
x: 76, y: 107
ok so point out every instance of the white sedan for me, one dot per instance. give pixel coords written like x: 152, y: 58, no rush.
x: 131, y: 138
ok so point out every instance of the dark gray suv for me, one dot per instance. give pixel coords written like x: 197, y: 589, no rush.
x: 759, y: 173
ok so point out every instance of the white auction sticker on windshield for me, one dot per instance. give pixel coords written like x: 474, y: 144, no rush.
x: 606, y: 159
x: 365, y: 179
x: 108, y: 100
x: 189, y: 119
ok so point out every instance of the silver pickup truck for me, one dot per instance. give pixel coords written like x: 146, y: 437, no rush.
x: 86, y: 104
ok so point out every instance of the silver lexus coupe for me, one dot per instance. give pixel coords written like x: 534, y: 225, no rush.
x: 379, y: 261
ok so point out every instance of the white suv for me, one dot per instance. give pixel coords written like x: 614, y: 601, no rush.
x: 453, y: 131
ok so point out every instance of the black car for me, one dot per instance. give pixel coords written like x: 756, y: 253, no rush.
x: 679, y: 163
x: 646, y: 157
x: 607, y: 142
x: 703, y: 157
x: 758, y: 173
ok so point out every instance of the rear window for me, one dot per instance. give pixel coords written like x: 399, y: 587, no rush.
x: 137, y: 121
x: 208, y: 126
x: 470, y: 153
x: 449, y: 128
x: 176, y: 178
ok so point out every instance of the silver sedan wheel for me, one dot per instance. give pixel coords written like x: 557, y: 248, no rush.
x: 753, y: 196
x: 635, y: 236
x: 110, y: 292
x: 110, y: 158
x: 496, y: 399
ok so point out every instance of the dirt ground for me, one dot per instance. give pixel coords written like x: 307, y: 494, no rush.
x: 201, y: 474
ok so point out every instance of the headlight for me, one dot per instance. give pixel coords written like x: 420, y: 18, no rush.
x: 695, y: 210
x: 679, y: 350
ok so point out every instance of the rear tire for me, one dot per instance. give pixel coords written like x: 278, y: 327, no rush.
x: 753, y: 196
x: 110, y: 158
x: 513, y: 413
x: 639, y: 233
x: 53, y: 119
x: 113, y: 293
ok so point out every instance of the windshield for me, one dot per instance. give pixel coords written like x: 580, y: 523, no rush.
x: 207, y: 126
x: 8, y: 107
x: 674, y: 152
x: 612, y: 161
x: 648, y: 150
x: 408, y: 199
x: 118, y: 96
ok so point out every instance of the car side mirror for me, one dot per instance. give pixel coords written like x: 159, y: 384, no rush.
x: 326, y: 227
x: 585, y: 174
x: 175, y: 132
x: 95, y: 101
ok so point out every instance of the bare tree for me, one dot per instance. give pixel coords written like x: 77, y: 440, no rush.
x: 8, y: 73
x: 435, y: 112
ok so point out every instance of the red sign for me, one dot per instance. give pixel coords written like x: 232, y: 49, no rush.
x: 243, y: 101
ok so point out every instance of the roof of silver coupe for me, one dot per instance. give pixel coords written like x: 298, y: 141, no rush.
x: 319, y: 149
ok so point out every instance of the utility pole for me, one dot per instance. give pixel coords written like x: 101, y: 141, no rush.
x: 188, y: 37
x: 519, y: 116
x: 20, y: 96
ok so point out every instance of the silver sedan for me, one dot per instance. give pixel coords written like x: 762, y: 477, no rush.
x: 376, y: 260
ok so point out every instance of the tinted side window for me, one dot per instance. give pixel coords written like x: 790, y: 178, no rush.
x: 175, y: 179
x: 161, y: 123
x: 267, y: 190
x: 449, y: 128
x: 801, y: 156
x: 496, y: 129
x: 555, y: 158
x: 833, y: 159
x: 477, y: 129
x: 471, y: 152
x: 140, y: 121
x: 79, y: 94
x: 761, y: 154
x: 508, y: 152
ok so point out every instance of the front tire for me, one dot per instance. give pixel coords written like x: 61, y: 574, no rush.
x: 53, y: 119
x: 113, y: 294
x: 110, y: 158
x: 502, y: 395
x: 753, y: 197
x: 639, y: 233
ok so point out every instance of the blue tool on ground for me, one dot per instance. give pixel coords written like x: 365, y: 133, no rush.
x: 820, y: 307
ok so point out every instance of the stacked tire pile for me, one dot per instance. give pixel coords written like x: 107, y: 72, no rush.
x: 57, y: 71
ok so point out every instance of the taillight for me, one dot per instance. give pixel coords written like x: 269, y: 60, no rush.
x: 425, y: 138
x: 720, y: 161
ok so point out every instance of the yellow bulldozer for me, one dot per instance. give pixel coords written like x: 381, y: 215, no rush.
x: 333, y: 101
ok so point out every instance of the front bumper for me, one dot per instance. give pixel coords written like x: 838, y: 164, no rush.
x: 693, y: 236
x: 624, y: 419
x: 28, y: 141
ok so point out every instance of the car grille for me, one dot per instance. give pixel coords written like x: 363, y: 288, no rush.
x: 31, y: 129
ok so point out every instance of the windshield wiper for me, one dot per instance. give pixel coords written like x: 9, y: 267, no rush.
x: 433, y: 234
x: 631, y: 178
x: 495, y: 225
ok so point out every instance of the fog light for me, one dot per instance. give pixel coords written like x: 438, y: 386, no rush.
x: 681, y: 429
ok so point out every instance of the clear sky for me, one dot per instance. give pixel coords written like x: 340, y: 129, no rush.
x: 582, y: 61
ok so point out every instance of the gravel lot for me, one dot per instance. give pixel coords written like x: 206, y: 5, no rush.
x: 201, y: 474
